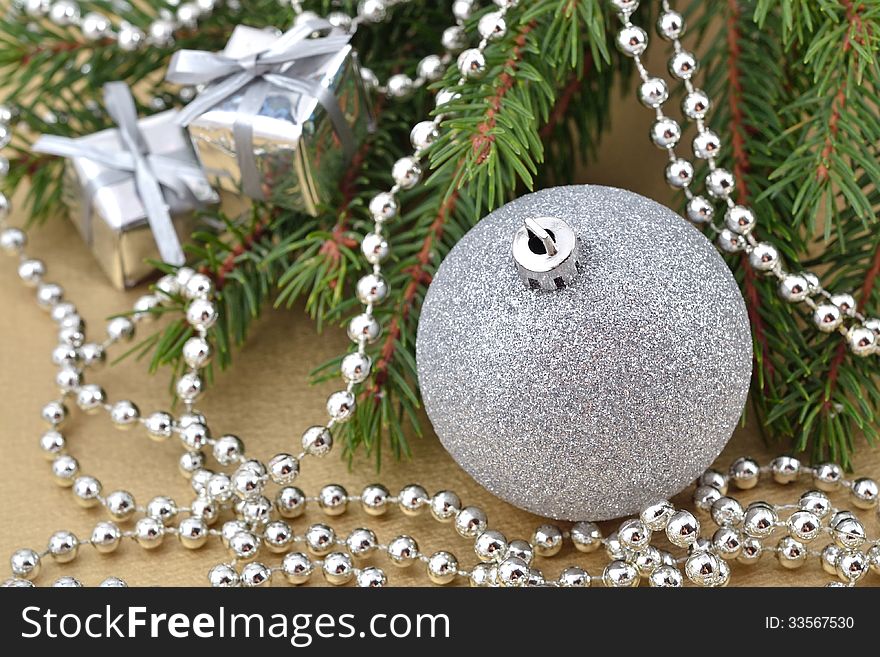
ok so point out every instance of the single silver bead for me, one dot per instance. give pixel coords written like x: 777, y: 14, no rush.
x: 195, y: 436
x: 827, y: 476
x: 361, y: 542
x: 873, y: 556
x: 86, y: 491
x: 696, y: 104
x: 759, y: 520
x: 355, y: 367
x: 804, y: 526
x: 67, y: 582
x: 403, y: 551
x: 785, y: 469
x: 383, y: 206
x: 124, y: 414
x: 341, y: 405
x: 145, y: 306
x: 318, y: 441
x: 52, y: 444
x: 682, y: 529
x: 283, y: 469
x: 679, y: 173
x: 454, y: 39
x: 218, y: 488
x: 369, y: 78
x: 715, y: 479
x: 201, y: 314
x: 699, y: 210
x: 189, y: 462
x: 646, y: 560
x: 371, y: 289
x: 492, y: 26
x: 91, y: 398
x: 120, y: 505
x: 339, y: 19
x: 634, y: 535
x: 412, y: 499
x: 720, y: 183
x: 472, y: 63
x: 423, y: 134
x: 491, y: 545
x: 764, y: 257
x: 106, y: 537
x: 278, y: 536
x: 670, y: 25
x: 861, y: 340
x: 64, y: 12
x: 163, y: 509
x: 666, y: 576
x: 375, y: 248
x: 189, y: 387
x: 12, y: 241
x: 17, y: 583
x: 320, y: 539
x: 48, y: 295
x: 247, y: 484
x: 446, y: 96
x: 463, y: 9
x: 587, y: 537
x: 71, y: 336
x: 406, y: 172
x: 228, y: 449
x: 632, y: 40
x: 199, y: 481
x: 816, y: 502
x: 207, y: 6
x: 705, y: 496
x: 827, y: 317
x: 521, y: 550
x: 727, y: 542
x: 256, y: 574
x: 706, y: 145
x: 653, y: 92
x: 297, y: 568
x: 161, y: 33
x: 752, y: 549
x: 471, y: 521
x: 333, y: 500
x: 845, y: 302
x: 149, y: 532
x: 483, y: 575
x: 364, y: 327
x: 703, y: 568
x: 445, y: 505
x: 230, y: 528
x: 223, y: 575
x: 852, y: 565
x: 864, y: 493
x: 130, y: 37
x: 55, y: 412
x: 829, y: 557
x: 740, y: 219
x: 375, y: 499
x: 620, y: 574
x: 244, y: 545
x: 37, y: 8
x: 290, y: 502
x: 431, y: 68
x: 25, y: 563
x: 196, y: 352
x: 683, y: 65
x: 573, y: 577
x: 372, y: 11
x: 614, y: 548
x: 113, y: 583
x: 371, y: 578
x: 192, y: 532
x: 547, y: 540
x: 64, y: 470
x: 31, y: 272
x: 513, y: 572
x: 400, y: 86
x: 188, y: 14
x: 744, y: 472
x: 849, y: 533
x: 120, y: 329
x: 873, y: 324
x: 442, y: 567
x: 63, y: 546
x: 665, y: 133
x: 92, y: 354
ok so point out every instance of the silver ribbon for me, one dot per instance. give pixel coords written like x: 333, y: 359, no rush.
x: 151, y: 171
x: 268, y: 68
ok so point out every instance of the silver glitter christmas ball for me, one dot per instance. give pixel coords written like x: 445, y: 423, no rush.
x: 595, y: 386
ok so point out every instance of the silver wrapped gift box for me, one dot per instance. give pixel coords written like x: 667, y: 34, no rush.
x: 104, y: 186
x: 280, y: 115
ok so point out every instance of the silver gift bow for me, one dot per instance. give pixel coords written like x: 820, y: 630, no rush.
x: 266, y: 69
x: 151, y: 171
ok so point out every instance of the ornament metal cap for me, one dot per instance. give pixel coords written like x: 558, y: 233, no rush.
x: 547, y: 253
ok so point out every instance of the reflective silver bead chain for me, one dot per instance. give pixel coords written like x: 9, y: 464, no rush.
x: 830, y: 311
x: 262, y: 525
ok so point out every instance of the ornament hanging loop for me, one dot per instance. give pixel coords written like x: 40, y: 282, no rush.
x: 547, y: 253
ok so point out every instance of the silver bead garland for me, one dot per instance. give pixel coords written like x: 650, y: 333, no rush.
x: 263, y: 525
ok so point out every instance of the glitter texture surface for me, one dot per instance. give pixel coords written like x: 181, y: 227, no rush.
x: 591, y: 401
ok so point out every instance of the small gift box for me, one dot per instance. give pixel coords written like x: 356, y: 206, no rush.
x: 132, y: 190
x: 281, y: 115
